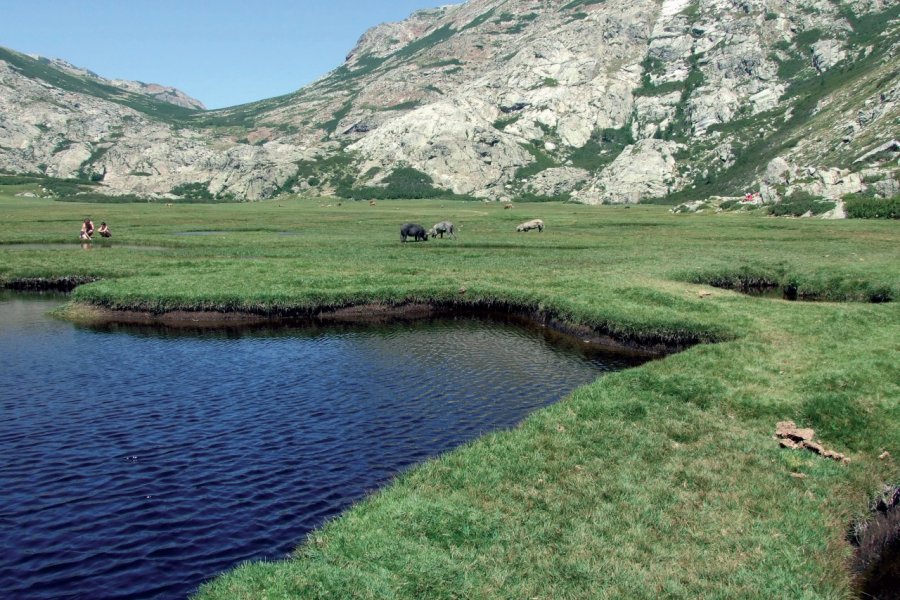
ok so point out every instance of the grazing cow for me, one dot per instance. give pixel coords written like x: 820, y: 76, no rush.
x: 441, y: 228
x: 417, y: 232
x: 529, y: 225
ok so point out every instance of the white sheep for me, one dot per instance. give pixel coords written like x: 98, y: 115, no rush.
x: 529, y: 225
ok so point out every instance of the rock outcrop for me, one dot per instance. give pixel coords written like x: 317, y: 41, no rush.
x: 644, y: 170
x: 795, y: 438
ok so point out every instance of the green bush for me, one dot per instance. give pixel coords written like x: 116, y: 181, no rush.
x: 532, y: 197
x: 63, y: 144
x: 18, y: 179
x: 798, y: 204
x: 193, y: 191
x: 858, y: 206
x: 542, y: 161
x: 65, y: 187
x: 503, y: 122
x: 57, y: 187
x: 603, y: 147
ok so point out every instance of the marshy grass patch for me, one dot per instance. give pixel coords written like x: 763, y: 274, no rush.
x: 662, y: 480
x: 810, y: 287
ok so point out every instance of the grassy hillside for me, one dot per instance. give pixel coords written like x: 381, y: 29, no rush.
x: 659, y: 481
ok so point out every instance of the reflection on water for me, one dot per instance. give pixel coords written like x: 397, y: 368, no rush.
x: 142, y: 462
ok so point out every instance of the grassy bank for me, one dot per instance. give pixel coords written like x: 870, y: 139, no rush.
x: 659, y: 481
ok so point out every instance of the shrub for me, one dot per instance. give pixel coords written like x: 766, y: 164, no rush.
x: 99, y: 198
x: 541, y: 161
x: 57, y: 187
x: 193, y: 191
x: 532, y: 197
x: 403, y: 182
x: 858, y: 206
x: 503, y: 122
x: 409, y: 105
x: 798, y: 204
x: 18, y: 179
x: 602, y: 148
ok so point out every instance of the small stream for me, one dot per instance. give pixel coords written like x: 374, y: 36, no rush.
x: 141, y: 462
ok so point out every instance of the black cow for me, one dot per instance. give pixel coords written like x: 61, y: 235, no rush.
x: 416, y: 232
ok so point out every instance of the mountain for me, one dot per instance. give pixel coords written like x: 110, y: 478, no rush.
x: 162, y: 93
x: 593, y: 100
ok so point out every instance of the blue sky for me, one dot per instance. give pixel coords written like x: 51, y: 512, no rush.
x: 222, y: 52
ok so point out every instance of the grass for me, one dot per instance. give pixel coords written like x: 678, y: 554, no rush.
x: 658, y: 481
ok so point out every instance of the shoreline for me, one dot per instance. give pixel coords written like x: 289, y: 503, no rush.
x: 377, y: 314
x: 644, y: 344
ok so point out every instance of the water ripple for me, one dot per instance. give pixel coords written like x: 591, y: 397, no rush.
x: 138, y: 465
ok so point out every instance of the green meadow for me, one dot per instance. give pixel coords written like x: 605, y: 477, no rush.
x: 659, y: 481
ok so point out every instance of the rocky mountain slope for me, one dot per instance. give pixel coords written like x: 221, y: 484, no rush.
x: 593, y: 100
x: 162, y: 93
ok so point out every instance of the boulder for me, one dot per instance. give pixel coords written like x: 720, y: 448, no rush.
x: 826, y: 54
x: 778, y: 172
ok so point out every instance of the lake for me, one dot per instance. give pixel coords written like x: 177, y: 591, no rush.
x: 139, y: 462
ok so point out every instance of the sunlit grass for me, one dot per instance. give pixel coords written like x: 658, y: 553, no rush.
x: 660, y: 481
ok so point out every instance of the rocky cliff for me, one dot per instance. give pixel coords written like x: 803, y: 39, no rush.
x: 593, y: 100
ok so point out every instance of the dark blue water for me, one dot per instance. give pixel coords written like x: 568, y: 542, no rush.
x: 139, y: 463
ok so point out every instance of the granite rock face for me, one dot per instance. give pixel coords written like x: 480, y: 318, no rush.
x: 643, y: 170
x: 601, y: 101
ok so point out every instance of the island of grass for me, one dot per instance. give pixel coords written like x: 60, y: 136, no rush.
x: 658, y: 481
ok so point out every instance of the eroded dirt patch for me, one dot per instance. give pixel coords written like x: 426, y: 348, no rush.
x: 877, y: 541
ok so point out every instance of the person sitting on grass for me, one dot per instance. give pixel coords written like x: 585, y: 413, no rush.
x: 87, y: 229
x: 104, y: 230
